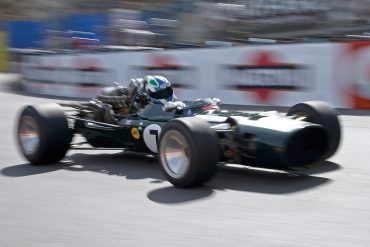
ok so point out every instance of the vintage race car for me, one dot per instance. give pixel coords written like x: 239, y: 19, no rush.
x: 190, y: 141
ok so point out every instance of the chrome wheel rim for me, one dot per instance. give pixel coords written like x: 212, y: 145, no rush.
x: 29, y: 135
x: 175, y: 154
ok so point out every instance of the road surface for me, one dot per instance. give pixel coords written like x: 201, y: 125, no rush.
x: 101, y: 198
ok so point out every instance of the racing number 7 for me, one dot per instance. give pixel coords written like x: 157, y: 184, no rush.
x: 151, y: 137
x: 156, y: 134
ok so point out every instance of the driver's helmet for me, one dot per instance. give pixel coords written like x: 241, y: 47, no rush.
x: 158, y: 89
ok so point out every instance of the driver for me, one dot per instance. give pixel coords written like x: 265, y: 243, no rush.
x: 150, y: 90
x: 141, y: 92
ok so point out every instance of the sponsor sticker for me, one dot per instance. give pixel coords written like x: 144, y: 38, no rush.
x: 135, y: 133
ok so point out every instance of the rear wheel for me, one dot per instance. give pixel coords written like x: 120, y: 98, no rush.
x: 188, y: 152
x: 43, y: 134
x: 319, y: 112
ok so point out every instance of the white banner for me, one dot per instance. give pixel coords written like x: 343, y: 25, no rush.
x: 279, y: 75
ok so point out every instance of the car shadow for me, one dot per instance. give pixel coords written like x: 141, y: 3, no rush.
x: 26, y: 169
x: 128, y: 164
x: 138, y: 166
x: 326, y: 166
x: 264, y: 181
x: 247, y: 179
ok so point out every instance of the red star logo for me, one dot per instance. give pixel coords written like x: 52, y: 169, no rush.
x: 159, y: 61
x: 357, y: 99
x: 263, y: 58
x: 162, y: 61
x: 87, y: 64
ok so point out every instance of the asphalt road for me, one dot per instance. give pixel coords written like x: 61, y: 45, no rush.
x: 117, y: 199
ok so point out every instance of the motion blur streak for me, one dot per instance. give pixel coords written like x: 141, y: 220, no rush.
x: 82, y: 24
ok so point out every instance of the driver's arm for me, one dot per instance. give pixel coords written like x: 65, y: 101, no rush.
x: 136, y: 86
x: 136, y: 94
x: 174, y: 105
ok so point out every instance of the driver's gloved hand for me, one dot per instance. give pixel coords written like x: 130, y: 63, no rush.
x: 142, y: 99
x: 170, y: 106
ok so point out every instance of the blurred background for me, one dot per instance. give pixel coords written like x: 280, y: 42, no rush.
x: 68, y: 24
x: 85, y: 27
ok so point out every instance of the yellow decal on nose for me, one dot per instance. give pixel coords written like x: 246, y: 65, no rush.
x: 135, y: 133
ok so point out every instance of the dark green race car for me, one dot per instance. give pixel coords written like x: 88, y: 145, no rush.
x: 189, y: 142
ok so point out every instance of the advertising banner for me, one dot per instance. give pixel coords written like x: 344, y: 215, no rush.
x: 265, y: 75
x: 352, y: 74
x: 274, y: 75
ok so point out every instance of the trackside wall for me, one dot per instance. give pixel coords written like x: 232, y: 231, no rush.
x: 279, y: 75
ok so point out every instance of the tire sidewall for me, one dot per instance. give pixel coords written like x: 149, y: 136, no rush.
x: 54, y: 133
x: 200, y: 169
x: 321, y: 113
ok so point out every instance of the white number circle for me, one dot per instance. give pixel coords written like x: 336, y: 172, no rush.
x: 151, y: 137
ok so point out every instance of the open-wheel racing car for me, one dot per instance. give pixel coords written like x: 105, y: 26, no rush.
x: 190, y: 141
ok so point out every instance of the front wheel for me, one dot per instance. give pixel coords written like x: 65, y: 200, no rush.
x: 188, y: 152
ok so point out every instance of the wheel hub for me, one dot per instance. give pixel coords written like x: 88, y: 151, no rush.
x: 29, y: 135
x: 175, y: 154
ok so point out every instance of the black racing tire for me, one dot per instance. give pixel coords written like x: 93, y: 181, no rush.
x: 48, y: 124
x: 319, y: 112
x: 200, y: 148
